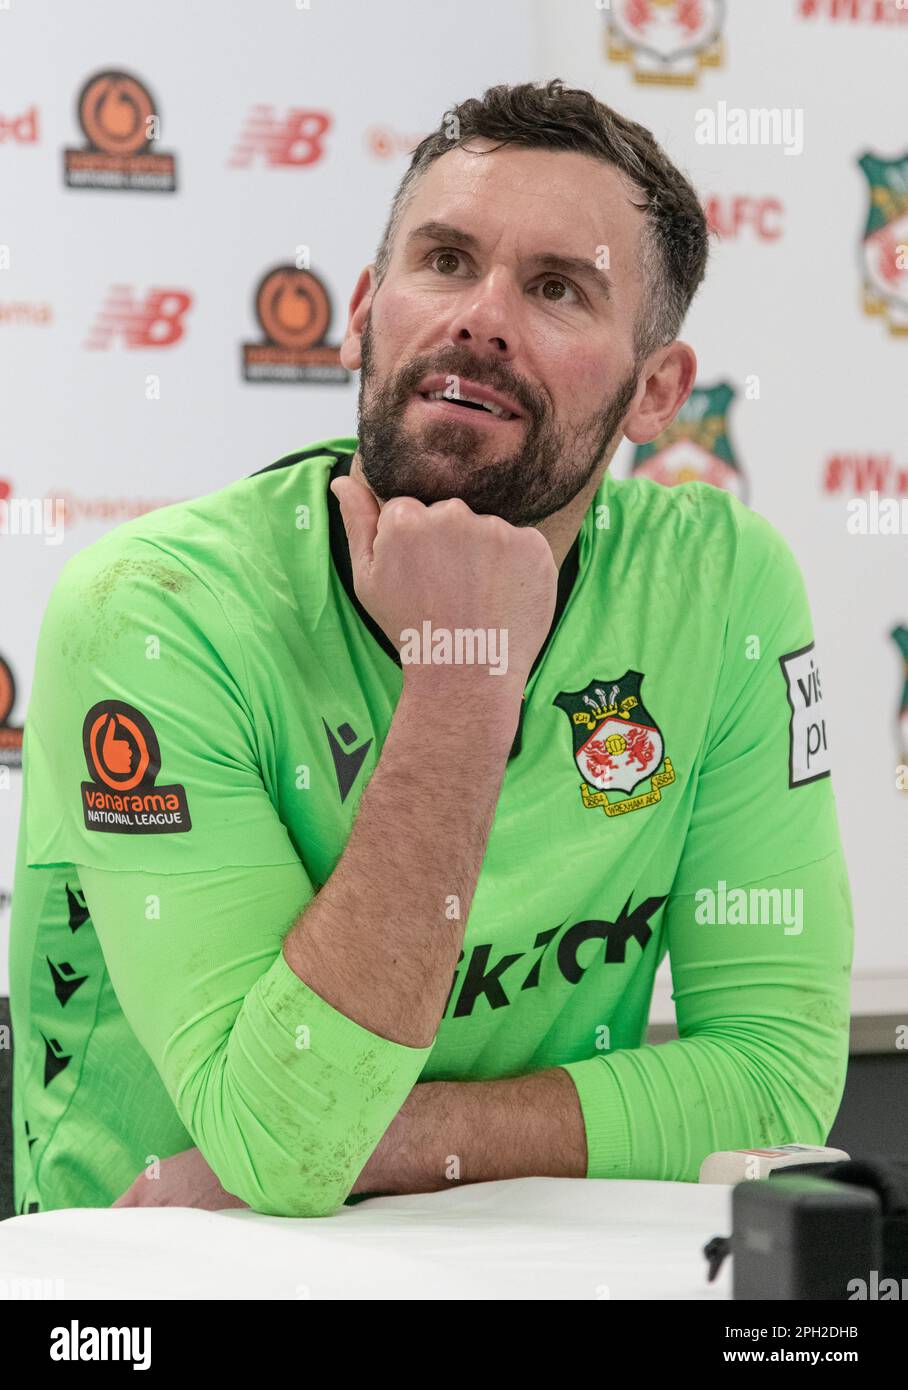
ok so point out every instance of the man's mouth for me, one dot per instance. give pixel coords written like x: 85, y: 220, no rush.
x: 468, y: 396
x: 485, y: 407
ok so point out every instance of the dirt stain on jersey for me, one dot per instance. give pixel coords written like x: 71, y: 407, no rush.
x: 108, y: 627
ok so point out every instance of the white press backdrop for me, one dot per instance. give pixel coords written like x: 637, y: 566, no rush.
x: 124, y: 311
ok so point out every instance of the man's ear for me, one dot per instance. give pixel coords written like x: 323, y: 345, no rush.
x: 667, y: 379
x: 360, y: 303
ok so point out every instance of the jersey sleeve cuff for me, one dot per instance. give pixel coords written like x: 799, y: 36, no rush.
x: 293, y: 1005
x: 604, y: 1118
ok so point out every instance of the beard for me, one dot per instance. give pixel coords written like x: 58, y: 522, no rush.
x: 450, y: 458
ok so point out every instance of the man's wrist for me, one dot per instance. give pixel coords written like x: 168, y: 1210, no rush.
x: 475, y: 707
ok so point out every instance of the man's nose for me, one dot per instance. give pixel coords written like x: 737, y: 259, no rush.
x: 486, y: 317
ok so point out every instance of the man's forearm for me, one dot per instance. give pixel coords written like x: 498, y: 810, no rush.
x: 480, y: 1131
x: 380, y: 941
x: 446, y: 1132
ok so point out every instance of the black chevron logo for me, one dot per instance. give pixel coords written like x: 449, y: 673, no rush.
x: 65, y: 979
x: 346, y: 764
x: 78, y: 912
x: 54, y: 1060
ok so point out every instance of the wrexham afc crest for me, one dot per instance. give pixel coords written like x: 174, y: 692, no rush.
x: 696, y: 447
x: 665, y: 41
x: 885, y: 244
x: 617, y: 744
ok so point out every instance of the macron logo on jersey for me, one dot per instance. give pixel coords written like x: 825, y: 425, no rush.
x: 346, y: 764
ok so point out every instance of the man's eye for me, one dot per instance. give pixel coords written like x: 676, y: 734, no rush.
x: 446, y: 256
x: 565, y: 285
x: 447, y: 263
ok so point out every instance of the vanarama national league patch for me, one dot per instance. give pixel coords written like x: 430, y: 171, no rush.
x: 123, y: 758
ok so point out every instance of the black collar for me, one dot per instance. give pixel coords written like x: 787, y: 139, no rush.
x: 340, y: 554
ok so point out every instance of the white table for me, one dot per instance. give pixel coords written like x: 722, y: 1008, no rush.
x: 530, y: 1238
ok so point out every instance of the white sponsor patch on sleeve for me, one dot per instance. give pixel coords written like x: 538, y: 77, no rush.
x: 808, y: 756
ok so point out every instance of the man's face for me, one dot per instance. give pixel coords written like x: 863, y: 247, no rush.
x: 471, y: 302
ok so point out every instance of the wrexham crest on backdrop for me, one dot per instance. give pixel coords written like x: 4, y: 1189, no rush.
x: 617, y: 745
x: 696, y: 447
x: 900, y: 636
x: 884, y: 249
x: 665, y: 41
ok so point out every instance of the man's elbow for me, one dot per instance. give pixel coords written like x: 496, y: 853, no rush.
x: 809, y: 1096
x: 297, y: 1204
x: 278, y: 1187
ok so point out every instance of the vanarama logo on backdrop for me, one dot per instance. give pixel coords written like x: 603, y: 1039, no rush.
x: 10, y: 734
x: 665, y: 41
x: 25, y: 314
x: 124, y: 758
x: 696, y: 446
x: 121, y: 122
x: 884, y: 249
x: 108, y: 510
x: 294, y: 311
x: 384, y: 142
x: 68, y: 509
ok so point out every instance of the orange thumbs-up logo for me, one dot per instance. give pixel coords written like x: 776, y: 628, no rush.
x: 116, y: 752
x: 122, y: 750
x: 123, y: 759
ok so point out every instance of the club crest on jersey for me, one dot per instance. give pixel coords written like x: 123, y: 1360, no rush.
x: 617, y: 744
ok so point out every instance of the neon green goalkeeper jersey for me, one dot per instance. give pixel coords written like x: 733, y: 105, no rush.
x: 210, y: 700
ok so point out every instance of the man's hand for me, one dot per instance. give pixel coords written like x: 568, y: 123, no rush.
x: 452, y: 567
x: 185, y: 1180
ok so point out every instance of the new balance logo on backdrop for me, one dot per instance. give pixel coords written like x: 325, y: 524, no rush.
x: 291, y: 141
x: 153, y: 322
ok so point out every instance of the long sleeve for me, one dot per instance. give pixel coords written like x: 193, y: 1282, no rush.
x: 284, y: 1095
x: 759, y: 919
x: 151, y: 769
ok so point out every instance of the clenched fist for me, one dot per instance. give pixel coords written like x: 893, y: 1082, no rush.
x: 457, y: 571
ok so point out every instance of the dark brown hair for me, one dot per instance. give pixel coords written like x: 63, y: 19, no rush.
x: 675, y: 240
